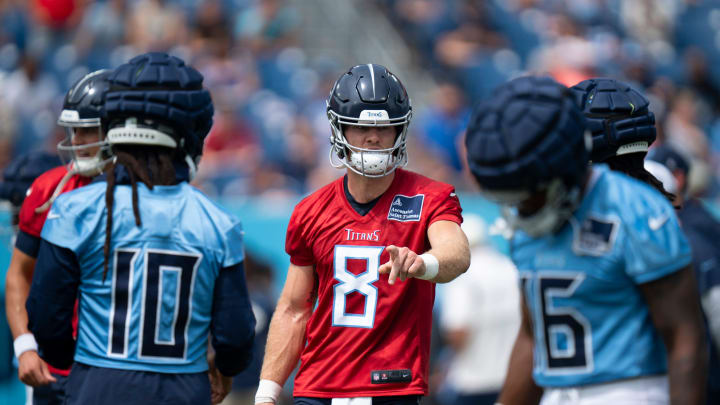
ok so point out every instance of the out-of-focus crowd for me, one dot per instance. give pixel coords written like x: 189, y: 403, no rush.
x: 270, y: 133
x: 667, y: 48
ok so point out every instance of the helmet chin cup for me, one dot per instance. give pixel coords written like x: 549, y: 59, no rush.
x: 372, y: 163
x: 560, y: 203
x: 88, y: 166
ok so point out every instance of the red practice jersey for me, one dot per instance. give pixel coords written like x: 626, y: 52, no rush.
x: 32, y: 223
x: 367, y: 337
x: 40, y: 192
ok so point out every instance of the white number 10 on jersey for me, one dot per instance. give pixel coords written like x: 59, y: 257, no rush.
x: 349, y: 282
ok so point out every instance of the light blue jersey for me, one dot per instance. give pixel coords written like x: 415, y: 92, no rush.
x: 153, y: 311
x: 590, y: 321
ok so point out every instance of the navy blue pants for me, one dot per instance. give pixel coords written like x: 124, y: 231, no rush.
x: 396, y: 400
x: 107, y: 386
x: 51, y: 394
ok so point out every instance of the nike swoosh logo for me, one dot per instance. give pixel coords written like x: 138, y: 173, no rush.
x: 656, y: 222
x: 52, y: 215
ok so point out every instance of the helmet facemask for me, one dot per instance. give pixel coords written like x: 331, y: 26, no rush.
x: 83, y: 158
x: 368, y: 162
x: 560, y: 201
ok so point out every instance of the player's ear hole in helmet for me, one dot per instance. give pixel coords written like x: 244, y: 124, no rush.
x: 528, y: 151
x: 368, y: 96
x: 85, y: 149
x: 157, y: 115
x: 621, y: 124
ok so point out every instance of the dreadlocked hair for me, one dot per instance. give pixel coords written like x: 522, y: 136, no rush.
x: 632, y: 164
x: 151, y: 165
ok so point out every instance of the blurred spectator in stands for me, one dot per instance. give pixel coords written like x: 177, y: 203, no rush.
x: 467, y: 52
x: 230, y: 156
x: 480, y: 318
x: 101, y: 30
x: 681, y: 126
x: 441, y: 124
x: 650, y: 22
x: 156, y: 25
x: 57, y: 14
x: 682, y: 132
x: 211, y: 27
x: 423, y: 21
x: 32, y: 94
x: 267, y: 26
x: 700, y: 78
x: 703, y: 233
x: 7, y: 132
x: 302, y: 151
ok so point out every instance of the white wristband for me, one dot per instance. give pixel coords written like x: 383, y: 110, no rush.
x: 24, y: 343
x: 268, y: 391
x: 432, y: 266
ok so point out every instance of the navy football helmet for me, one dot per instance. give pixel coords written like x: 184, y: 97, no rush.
x: 617, y: 116
x: 529, y: 137
x: 368, y: 95
x: 156, y: 99
x: 19, y: 175
x: 81, y: 115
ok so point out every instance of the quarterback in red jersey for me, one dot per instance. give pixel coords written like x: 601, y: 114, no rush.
x: 367, y: 249
x: 87, y: 152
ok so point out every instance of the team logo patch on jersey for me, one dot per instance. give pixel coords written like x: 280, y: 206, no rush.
x: 595, y: 237
x: 406, y: 209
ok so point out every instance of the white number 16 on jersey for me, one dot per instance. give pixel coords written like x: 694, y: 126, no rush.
x: 349, y: 282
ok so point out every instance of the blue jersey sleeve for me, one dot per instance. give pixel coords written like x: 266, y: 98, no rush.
x: 233, y: 322
x: 51, y: 302
x: 655, y: 246
x: 233, y: 246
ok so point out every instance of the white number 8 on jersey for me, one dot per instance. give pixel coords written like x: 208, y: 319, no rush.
x: 362, y: 283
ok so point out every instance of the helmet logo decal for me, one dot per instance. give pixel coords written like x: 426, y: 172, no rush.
x: 70, y: 115
x: 374, y: 115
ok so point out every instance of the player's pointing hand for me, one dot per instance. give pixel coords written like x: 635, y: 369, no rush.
x: 403, y: 263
